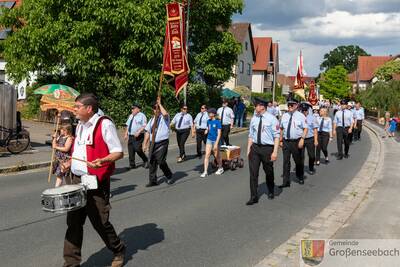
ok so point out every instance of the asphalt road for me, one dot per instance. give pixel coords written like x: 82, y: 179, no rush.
x: 195, y: 222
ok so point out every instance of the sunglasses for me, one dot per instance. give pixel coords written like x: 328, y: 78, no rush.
x: 291, y: 105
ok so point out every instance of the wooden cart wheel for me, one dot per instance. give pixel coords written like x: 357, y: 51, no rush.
x: 241, y: 163
x: 233, y: 165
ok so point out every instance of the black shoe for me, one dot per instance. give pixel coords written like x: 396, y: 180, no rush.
x: 170, y: 181
x: 346, y: 156
x: 312, y: 172
x: 199, y: 156
x: 301, y: 181
x: 339, y: 157
x: 151, y: 184
x: 146, y: 165
x: 317, y: 163
x: 271, y: 196
x: 326, y: 161
x: 252, y: 201
x: 284, y: 185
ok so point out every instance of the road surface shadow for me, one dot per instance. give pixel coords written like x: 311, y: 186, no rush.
x: 135, y: 238
x: 120, y: 170
x: 263, y: 189
x: 123, y: 189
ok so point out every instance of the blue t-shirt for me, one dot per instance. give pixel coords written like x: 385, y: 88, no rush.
x: 213, y: 126
x: 393, y: 125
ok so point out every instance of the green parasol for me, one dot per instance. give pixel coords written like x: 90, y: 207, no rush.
x: 227, y: 93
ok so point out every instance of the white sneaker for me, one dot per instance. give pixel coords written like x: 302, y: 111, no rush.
x: 219, y: 171
x: 204, y: 174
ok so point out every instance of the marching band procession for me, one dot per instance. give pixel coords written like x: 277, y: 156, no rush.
x: 96, y: 147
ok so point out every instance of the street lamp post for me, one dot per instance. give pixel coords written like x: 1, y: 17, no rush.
x: 273, y: 80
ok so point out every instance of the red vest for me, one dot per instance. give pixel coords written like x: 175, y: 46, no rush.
x: 99, y: 150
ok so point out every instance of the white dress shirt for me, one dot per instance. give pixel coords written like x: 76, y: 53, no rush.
x: 84, y: 133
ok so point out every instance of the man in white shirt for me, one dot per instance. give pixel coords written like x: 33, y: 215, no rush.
x: 134, y: 133
x: 199, y: 127
x: 227, y: 116
x: 183, y: 122
x: 96, y: 143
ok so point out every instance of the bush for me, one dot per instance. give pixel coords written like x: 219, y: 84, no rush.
x: 32, y: 107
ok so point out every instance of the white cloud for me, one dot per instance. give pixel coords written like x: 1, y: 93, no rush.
x: 340, y: 26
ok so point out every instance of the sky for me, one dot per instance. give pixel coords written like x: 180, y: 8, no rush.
x: 318, y: 26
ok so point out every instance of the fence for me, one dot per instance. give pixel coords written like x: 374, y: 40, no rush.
x: 8, y: 107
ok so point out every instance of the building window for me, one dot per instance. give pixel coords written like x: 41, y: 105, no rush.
x: 246, y: 45
x: 241, y: 66
x: 248, y: 69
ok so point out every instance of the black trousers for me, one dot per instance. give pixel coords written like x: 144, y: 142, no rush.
x: 357, y: 132
x: 226, y: 129
x: 261, y: 154
x: 98, y: 210
x: 200, y: 138
x: 323, y: 141
x: 291, y: 148
x: 310, y: 147
x: 159, y: 158
x: 181, y: 137
x: 342, y: 135
x: 135, y: 146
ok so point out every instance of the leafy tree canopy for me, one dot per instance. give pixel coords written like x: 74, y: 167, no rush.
x: 334, y: 84
x: 384, y: 96
x: 386, y: 71
x: 347, y: 56
x: 114, y: 47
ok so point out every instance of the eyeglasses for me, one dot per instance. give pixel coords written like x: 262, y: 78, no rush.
x: 184, y: 108
x: 290, y: 105
x: 79, y: 106
x: 203, y: 108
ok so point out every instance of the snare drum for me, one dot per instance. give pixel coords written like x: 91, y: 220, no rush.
x: 64, y: 198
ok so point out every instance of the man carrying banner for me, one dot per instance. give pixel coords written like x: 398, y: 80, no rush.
x: 159, y: 149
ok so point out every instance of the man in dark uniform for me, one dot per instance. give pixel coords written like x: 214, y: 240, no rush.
x: 342, y: 126
x: 293, y: 132
x: 183, y: 123
x: 262, y: 147
x: 158, y: 144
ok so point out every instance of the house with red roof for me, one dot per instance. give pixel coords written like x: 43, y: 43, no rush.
x: 365, y: 73
x: 243, y: 69
x: 266, y: 65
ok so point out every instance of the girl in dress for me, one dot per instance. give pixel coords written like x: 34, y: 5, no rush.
x: 62, y: 144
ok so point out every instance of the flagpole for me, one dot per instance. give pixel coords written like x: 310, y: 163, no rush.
x: 187, y: 44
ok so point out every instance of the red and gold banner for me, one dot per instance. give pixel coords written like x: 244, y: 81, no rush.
x: 175, y: 61
x: 312, y: 95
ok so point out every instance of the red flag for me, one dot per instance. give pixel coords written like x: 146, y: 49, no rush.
x: 312, y: 95
x: 175, y: 60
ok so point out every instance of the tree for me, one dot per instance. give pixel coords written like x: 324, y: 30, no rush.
x: 386, y: 71
x: 384, y: 96
x: 114, y: 47
x: 334, y: 84
x: 347, y: 56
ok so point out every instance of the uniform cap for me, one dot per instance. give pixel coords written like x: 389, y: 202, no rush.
x: 291, y: 100
x: 136, y: 105
x: 343, y: 102
x: 260, y: 101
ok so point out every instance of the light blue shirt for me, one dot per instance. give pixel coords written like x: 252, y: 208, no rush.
x: 273, y: 110
x: 269, y: 128
x: 327, y: 124
x: 228, y: 115
x: 348, y: 118
x: 187, y: 121
x: 203, y: 123
x: 296, y: 128
x: 163, y: 128
x: 358, y: 114
x: 312, y: 124
x: 139, y: 121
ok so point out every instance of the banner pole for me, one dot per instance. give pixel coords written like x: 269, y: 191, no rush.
x: 187, y: 44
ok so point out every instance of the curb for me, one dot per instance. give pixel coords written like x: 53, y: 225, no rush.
x: 22, y: 166
x: 337, y: 213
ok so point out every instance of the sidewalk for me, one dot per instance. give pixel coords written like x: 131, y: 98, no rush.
x: 378, y: 216
x: 39, y: 154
